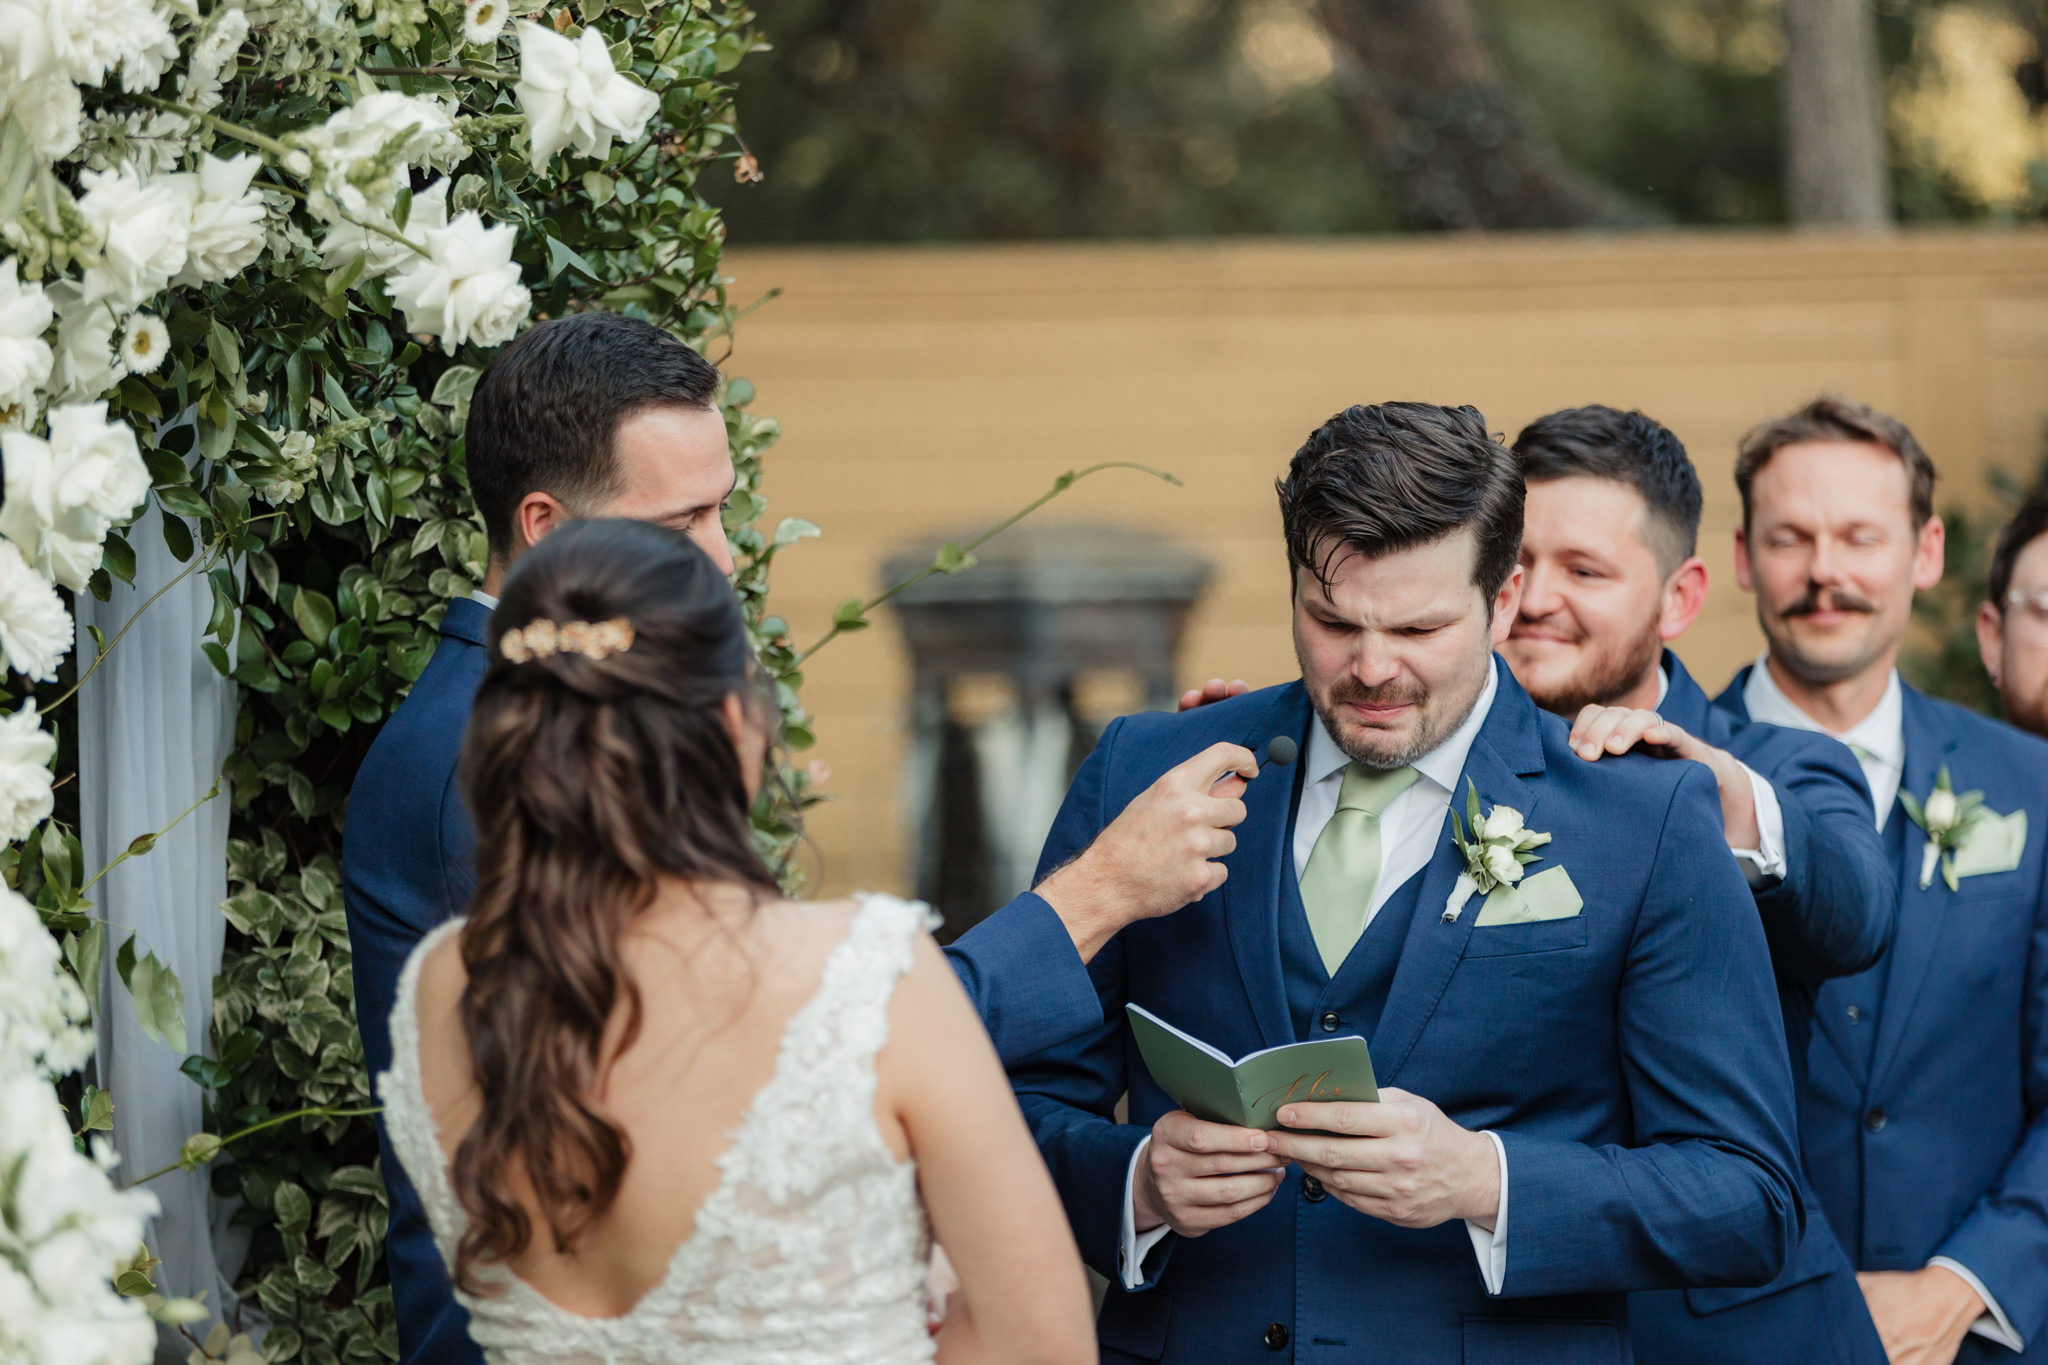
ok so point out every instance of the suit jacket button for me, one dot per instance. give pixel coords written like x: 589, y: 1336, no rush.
x: 1330, y: 1021
x: 1312, y: 1190
x: 1875, y: 1120
x: 1276, y: 1336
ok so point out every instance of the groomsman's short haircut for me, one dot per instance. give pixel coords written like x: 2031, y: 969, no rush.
x: 1828, y: 418
x: 543, y: 416
x: 2028, y: 525
x: 1389, y: 477
x: 1628, y: 448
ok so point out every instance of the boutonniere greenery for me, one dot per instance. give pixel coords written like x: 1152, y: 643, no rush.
x: 1495, y: 853
x: 1944, y: 815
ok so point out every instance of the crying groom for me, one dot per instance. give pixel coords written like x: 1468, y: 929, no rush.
x: 1593, y: 1092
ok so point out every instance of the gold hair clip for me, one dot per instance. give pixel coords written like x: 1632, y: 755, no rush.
x: 542, y: 638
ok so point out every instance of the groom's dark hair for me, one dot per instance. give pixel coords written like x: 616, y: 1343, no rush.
x: 1627, y: 448
x: 1378, y: 479
x: 543, y: 416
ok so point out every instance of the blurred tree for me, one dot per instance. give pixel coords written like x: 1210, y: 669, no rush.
x: 1835, y: 171
x: 1444, y: 126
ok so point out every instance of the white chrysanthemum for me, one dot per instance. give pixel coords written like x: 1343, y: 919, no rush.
x: 226, y: 229
x: 144, y: 343
x: 48, y: 108
x: 573, y: 96
x: 25, y: 802
x: 35, y: 630
x: 224, y: 36
x: 466, y: 288
x: 25, y: 359
x: 66, y: 1227
x: 346, y: 241
x: 357, y: 159
x: 483, y: 21
x: 141, y: 227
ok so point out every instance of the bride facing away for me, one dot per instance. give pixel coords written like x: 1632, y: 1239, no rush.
x: 656, y: 1112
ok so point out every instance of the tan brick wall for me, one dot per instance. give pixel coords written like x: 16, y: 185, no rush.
x: 933, y: 390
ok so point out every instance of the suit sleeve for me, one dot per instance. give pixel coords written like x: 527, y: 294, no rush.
x: 1069, y: 1093
x: 1835, y: 912
x: 1702, y: 1193
x: 1022, y: 973
x: 2004, y: 1237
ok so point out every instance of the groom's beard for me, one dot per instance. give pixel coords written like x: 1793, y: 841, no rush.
x: 1436, y: 718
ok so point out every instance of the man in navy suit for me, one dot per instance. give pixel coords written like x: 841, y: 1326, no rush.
x: 601, y: 415
x: 1592, y: 1097
x: 2012, y: 622
x: 1609, y: 577
x: 1925, y: 1117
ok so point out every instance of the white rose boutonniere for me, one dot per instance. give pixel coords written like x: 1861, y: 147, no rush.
x: 1500, y: 847
x: 1944, y: 815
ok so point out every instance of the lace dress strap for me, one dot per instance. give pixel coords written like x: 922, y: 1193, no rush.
x: 407, y: 1119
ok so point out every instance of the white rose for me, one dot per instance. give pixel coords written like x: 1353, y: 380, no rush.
x: 1940, y: 810
x: 83, y: 363
x: 100, y: 466
x: 345, y: 241
x: 466, y: 288
x: 141, y: 227
x: 48, y: 108
x: 357, y: 159
x: 35, y: 630
x: 25, y: 753
x: 226, y: 229
x: 1502, y: 864
x: 1502, y: 822
x: 62, y: 542
x: 25, y: 358
x: 573, y: 96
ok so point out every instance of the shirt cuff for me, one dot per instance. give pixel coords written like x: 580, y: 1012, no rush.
x: 1134, y: 1246
x: 1767, y: 860
x: 1492, y: 1247
x: 1993, y: 1324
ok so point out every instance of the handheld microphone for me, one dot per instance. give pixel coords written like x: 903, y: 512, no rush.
x: 1281, y: 752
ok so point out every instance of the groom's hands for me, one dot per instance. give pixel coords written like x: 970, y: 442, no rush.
x: 1400, y: 1160
x: 1197, y: 1176
x: 1158, y: 854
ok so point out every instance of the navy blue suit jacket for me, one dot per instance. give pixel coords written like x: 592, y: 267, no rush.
x: 408, y: 856
x: 1939, y: 1147
x: 1629, y: 1057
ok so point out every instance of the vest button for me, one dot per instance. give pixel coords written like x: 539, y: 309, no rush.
x: 1276, y: 1336
x: 1330, y: 1021
x: 1855, y: 1013
x: 1312, y: 1190
x: 1875, y: 1120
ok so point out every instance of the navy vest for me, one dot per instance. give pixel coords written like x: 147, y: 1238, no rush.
x: 1857, y: 999
x: 1318, y: 1004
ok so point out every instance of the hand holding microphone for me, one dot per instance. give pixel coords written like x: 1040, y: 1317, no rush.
x: 1160, y: 853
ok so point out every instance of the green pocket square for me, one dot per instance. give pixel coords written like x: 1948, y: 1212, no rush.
x: 1991, y: 843
x: 1548, y: 894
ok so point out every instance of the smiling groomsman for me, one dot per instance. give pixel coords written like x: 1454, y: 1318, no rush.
x: 1609, y: 579
x: 1925, y: 1120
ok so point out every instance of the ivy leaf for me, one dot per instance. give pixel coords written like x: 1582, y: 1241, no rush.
x: 159, y: 1002
x: 83, y: 951
x: 952, y: 559
x: 177, y: 538
x: 561, y: 257
x: 849, y: 616
x: 790, y: 530
x: 119, y: 558
x: 98, y: 1107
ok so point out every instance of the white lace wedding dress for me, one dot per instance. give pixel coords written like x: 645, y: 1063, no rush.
x: 812, y: 1248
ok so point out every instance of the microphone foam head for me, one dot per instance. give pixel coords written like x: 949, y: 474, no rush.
x: 1282, y: 750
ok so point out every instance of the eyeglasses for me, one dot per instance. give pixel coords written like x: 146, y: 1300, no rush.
x: 2027, y: 611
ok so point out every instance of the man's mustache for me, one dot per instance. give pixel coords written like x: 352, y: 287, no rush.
x: 1388, y: 694
x: 1837, y: 600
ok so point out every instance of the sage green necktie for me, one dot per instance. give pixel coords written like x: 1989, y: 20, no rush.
x: 1337, y: 884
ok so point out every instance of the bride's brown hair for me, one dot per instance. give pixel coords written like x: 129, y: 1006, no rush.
x: 591, y: 779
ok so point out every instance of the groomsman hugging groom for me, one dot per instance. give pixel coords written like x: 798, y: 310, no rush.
x: 1584, y: 1082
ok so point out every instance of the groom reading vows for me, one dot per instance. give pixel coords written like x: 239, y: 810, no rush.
x: 1583, y: 1084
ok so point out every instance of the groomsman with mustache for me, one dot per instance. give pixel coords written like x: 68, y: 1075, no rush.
x: 1924, y: 1123
x: 1610, y: 579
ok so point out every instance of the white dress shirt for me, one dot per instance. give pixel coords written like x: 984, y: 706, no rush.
x: 1767, y: 860
x: 484, y: 599
x: 1411, y: 830
x: 1879, y: 742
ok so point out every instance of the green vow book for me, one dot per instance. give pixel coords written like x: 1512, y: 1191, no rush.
x: 1249, y: 1091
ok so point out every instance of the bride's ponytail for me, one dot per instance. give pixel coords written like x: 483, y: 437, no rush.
x: 597, y: 762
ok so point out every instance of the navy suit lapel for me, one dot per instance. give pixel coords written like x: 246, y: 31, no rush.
x: 1922, y: 914
x: 466, y: 619
x: 1684, y: 704
x: 1508, y: 747
x: 1731, y: 699
x: 1251, y: 894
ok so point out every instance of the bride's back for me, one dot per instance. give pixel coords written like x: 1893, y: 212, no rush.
x: 719, y: 985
